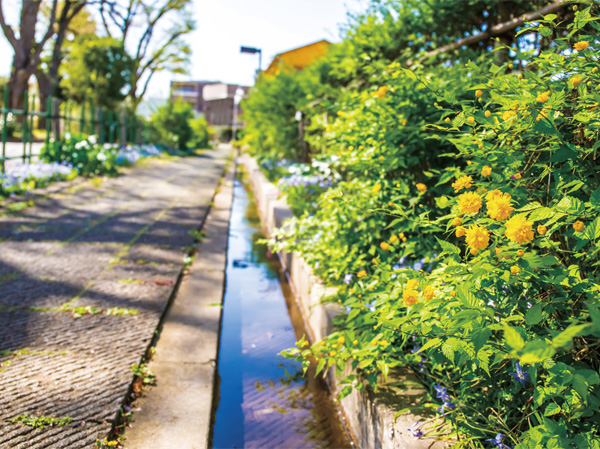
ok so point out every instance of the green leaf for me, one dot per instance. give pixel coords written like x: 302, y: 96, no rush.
x: 448, y: 351
x: 530, y: 206
x: 542, y: 213
x: 448, y: 247
x: 534, y: 315
x: 536, y: 351
x: 566, y: 337
x: 513, y: 338
x: 552, y: 409
x: 433, y: 343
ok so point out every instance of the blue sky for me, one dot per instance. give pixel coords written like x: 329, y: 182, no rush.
x: 224, y: 25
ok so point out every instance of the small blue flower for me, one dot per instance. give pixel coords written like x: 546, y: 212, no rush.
x: 491, y: 303
x: 416, y: 432
x: 497, y: 442
x: 520, y: 376
x: 418, y: 266
x: 348, y: 278
x: 370, y: 306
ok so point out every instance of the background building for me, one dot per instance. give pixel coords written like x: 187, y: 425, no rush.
x: 190, y: 92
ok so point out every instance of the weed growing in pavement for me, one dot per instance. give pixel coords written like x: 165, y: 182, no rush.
x: 39, y: 422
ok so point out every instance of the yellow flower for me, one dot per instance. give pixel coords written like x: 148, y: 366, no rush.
x: 456, y: 222
x: 341, y: 340
x: 380, y: 93
x: 393, y: 238
x: 486, y: 170
x: 410, y: 297
x: 411, y: 284
x: 543, y: 114
x: 518, y: 176
x: 351, y: 147
x: 355, y: 342
x: 595, y: 70
x: 542, y: 98
x: 488, y: 113
x: 578, y: 226
x: 478, y: 93
x: 460, y: 231
x: 498, y: 251
x: 469, y: 203
x: 576, y: 81
x: 453, y: 294
x: 498, y: 206
x: 507, y: 115
x: 421, y: 187
x: 361, y: 274
x: 581, y: 45
x: 515, y: 270
x: 381, y: 158
x: 404, y: 122
x: 519, y: 229
x: 332, y: 353
x: 541, y: 229
x: 477, y: 237
x: 429, y: 293
x: 384, y: 246
x: 376, y: 188
x: 474, y: 251
x: 447, y: 119
x: 464, y: 182
x: 471, y: 120
x: 520, y: 253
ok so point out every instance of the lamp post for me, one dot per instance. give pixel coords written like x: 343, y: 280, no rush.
x: 253, y: 51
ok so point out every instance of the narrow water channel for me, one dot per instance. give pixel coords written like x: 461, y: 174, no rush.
x: 262, y: 400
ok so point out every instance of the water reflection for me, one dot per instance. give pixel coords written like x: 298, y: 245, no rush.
x: 263, y: 400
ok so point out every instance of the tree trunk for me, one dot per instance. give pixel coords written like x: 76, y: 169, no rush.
x: 46, y: 90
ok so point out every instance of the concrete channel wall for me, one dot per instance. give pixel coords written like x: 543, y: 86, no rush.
x: 369, y: 416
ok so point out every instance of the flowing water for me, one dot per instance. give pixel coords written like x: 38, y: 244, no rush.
x: 262, y: 400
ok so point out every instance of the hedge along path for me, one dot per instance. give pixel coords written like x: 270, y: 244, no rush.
x: 118, y: 251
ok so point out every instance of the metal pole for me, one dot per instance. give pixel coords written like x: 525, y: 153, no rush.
x: 25, y: 130
x: 32, y: 111
x: 82, y: 120
x: 4, y: 128
x: 101, y: 126
x: 48, y: 118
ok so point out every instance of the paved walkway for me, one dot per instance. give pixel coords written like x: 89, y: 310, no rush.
x: 116, y: 251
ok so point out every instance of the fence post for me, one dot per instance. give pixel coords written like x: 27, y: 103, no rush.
x: 140, y: 127
x: 48, y: 118
x: 92, y: 119
x: 31, y: 117
x: 4, y: 128
x: 25, y: 131
x: 101, y: 126
x: 56, y: 120
x: 123, y: 129
x: 82, y: 120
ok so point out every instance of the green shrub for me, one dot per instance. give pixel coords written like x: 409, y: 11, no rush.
x: 464, y: 233
x: 201, y: 134
x: 84, y: 154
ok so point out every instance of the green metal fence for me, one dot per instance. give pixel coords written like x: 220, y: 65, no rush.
x: 59, y: 120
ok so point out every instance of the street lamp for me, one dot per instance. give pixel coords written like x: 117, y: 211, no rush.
x: 253, y: 51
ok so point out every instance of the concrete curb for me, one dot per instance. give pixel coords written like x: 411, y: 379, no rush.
x: 177, y: 411
x: 370, y: 416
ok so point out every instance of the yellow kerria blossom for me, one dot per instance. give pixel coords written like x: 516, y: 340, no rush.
x: 332, y: 353
x: 429, y: 293
x: 519, y: 229
x: 456, y: 222
x: 581, y: 45
x: 474, y: 251
x: 518, y: 176
x: 520, y: 253
x: 381, y: 158
x: 578, y: 226
x: 542, y: 115
x: 464, y: 182
x: 380, y: 93
x: 411, y: 284
x: 541, y: 229
x: 471, y: 120
x: 447, y: 119
x: 507, y: 115
x: 469, y: 203
x: 498, y: 207
x: 421, y: 187
x: 384, y: 246
x: 478, y: 93
x: 361, y: 274
x: 515, y: 270
x: 576, y: 81
x: 542, y: 98
x: 486, y: 170
x: 410, y: 297
x: 341, y: 340
x: 376, y: 188
x: 460, y: 231
x: 595, y: 70
x: 488, y: 114
x: 393, y: 238
x: 477, y: 237
x: 493, y: 194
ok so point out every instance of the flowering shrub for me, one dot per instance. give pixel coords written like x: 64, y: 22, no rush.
x: 464, y: 238
x: 20, y: 177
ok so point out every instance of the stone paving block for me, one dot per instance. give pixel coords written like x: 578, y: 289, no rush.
x: 75, y: 248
